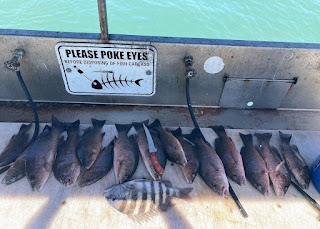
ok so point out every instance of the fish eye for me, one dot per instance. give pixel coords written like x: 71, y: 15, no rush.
x: 259, y: 185
x: 234, y: 175
x: 214, y: 185
x: 113, y: 198
x: 126, y: 175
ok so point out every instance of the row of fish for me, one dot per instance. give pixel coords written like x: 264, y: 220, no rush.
x: 66, y: 157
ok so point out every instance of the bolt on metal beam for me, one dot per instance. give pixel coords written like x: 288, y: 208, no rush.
x: 102, y: 8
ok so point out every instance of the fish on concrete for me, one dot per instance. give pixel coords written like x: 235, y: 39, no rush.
x: 160, y: 154
x: 211, y: 168
x: 191, y: 169
x: 42, y: 153
x: 145, y: 152
x: 126, y: 154
x: 90, y: 143
x: 278, y: 173
x: 100, y: 167
x: 170, y: 143
x: 296, y: 163
x: 66, y: 167
x: 141, y: 199
x: 16, y: 146
x: 229, y: 155
x: 16, y: 171
x: 254, y: 165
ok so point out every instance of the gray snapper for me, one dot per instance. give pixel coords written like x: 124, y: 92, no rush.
x: 144, y: 150
x: 279, y: 175
x: 171, y: 144
x: 16, y: 146
x: 100, y: 167
x: 141, y: 199
x: 191, y: 169
x: 254, y: 165
x: 229, y: 155
x: 296, y: 163
x: 90, y: 143
x: 66, y: 167
x: 211, y: 168
x: 42, y: 153
x: 126, y: 154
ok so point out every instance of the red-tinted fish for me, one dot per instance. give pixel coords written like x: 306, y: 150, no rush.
x: 295, y: 161
x: 211, y: 168
x: 254, y: 165
x: 279, y: 175
x: 171, y: 144
x: 191, y: 169
x: 229, y: 155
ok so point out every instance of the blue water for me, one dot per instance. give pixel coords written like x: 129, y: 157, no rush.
x: 272, y: 20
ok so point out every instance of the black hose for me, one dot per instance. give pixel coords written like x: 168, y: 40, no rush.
x: 33, y: 106
x: 195, y: 123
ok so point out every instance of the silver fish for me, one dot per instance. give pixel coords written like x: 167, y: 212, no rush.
x: 141, y: 199
x: 66, y: 167
x: 296, y: 163
x: 16, y: 146
x: 90, y: 143
x: 171, y: 144
x: 42, y: 153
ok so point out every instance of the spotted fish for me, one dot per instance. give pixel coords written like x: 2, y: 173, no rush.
x: 141, y: 199
x: 296, y: 163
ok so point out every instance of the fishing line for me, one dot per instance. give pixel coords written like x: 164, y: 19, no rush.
x: 190, y: 72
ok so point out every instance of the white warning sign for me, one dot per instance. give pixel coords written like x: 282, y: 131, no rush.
x: 108, y: 69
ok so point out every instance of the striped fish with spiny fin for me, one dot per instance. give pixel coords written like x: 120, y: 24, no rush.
x: 141, y: 199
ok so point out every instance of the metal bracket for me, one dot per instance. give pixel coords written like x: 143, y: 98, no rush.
x: 14, y: 63
x: 190, y: 72
x: 293, y: 80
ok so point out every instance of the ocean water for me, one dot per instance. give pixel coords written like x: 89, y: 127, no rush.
x: 272, y: 20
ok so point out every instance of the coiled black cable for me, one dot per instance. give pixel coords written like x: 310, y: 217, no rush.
x: 33, y: 107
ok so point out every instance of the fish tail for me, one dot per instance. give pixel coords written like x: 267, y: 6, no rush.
x: 196, y: 133
x: 220, y: 131
x: 98, y: 123
x: 138, y: 125
x: 123, y: 127
x: 184, y: 193
x: 177, y: 132
x: 263, y: 137
x: 57, y: 124
x: 285, y: 138
x: 246, y: 138
x: 73, y: 125
x: 25, y: 128
x: 156, y: 124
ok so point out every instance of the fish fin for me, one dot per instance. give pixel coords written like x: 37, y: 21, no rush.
x: 296, y: 151
x: 184, y: 193
x: 73, y: 125
x: 280, y: 166
x: 12, y: 137
x: 144, y: 216
x: 277, y: 153
x: 191, y: 143
x: 217, y: 142
x: 196, y: 133
x: 263, y: 137
x: 98, y: 123
x: 167, y: 183
x: 57, y: 124
x: 285, y: 138
x: 177, y: 132
x: 46, y: 130
x: 123, y: 127
x: 156, y: 124
x: 220, y: 131
x: 165, y: 206
x: 138, y: 125
x: 246, y: 139
x: 25, y: 128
